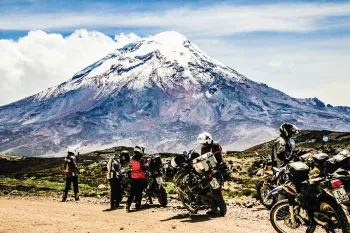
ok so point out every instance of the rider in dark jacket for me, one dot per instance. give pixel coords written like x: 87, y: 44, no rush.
x: 72, y: 171
x: 113, y: 176
x: 138, y: 178
x: 282, y: 147
x: 209, y: 145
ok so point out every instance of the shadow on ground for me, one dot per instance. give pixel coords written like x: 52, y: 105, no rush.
x: 190, y: 218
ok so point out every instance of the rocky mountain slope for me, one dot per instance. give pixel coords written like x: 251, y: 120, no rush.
x: 160, y: 91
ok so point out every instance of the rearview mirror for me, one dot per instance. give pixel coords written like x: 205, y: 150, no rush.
x: 184, y: 153
x: 292, y: 141
x: 325, y: 139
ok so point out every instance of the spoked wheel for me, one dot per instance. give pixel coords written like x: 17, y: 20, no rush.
x: 263, y: 190
x: 193, y: 209
x: 333, y: 215
x: 280, y: 217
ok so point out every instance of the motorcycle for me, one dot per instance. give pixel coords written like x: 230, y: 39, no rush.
x: 125, y: 180
x: 155, y: 188
x: 271, y: 178
x: 198, y: 183
x: 311, y: 203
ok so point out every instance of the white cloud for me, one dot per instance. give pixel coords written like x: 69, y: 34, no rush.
x: 40, y: 60
x: 220, y: 19
x: 275, y: 64
x: 123, y: 39
x: 305, y: 68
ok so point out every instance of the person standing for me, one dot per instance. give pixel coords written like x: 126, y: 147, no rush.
x: 113, y: 176
x: 138, y: 178
x: 72, y: 171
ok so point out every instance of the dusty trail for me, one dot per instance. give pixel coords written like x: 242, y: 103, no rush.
x: 48, y: 215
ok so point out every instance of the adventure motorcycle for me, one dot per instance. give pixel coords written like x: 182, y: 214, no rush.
x: 198, y: 183
x: 311, y: 203
x: 271, y: 178
x: 125, y: 180
x: 155, y: 188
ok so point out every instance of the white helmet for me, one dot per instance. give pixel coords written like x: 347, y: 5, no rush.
x: 73, y: 149
x: 140, y: 149
x: 204, y: 138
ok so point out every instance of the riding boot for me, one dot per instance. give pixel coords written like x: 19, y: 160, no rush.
x: 112, y: 205
x: 116, y: 204
x: 76, y: 196
x: 138, y: 206
x: 64, y: 197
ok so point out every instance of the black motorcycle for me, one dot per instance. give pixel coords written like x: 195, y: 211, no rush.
x: 198, y: 183
x: 125, y: 180
x: 271, y: 177
x: 311, y: 203
x: 155, y: 187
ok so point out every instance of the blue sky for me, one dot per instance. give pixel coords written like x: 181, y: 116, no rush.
x: 299, y: 47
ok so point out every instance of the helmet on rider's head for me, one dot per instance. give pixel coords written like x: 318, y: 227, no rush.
x: 139, y: 149
x: 204, y: 138
x: 72, y: 150
x: 289, y: 130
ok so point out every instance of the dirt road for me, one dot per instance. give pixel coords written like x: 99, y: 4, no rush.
x: 49, y: 215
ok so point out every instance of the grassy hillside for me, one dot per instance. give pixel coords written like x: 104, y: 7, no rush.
x: 43, y: 176
x: 306, y: 139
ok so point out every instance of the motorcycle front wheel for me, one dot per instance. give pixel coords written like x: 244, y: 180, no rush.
x: 280, y: 217
x: 263, y: 189
x: 163, y: 197
x: 187, y: 204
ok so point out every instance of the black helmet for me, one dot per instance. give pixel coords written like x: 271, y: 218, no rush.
x: 289, y: 130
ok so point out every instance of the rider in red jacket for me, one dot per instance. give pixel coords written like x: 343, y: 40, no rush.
x: 138, y: 178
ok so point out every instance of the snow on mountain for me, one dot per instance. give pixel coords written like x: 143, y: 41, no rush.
x: 160, y: 91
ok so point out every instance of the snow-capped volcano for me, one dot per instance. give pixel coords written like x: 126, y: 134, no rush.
x: 160, y: 91
x: 166, y: 60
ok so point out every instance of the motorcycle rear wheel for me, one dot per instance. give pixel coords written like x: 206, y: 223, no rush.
x: 187, y: 204
x: 163, y: 197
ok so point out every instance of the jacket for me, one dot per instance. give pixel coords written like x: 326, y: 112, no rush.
x: 113, y: 168
x: 215, y: 148
x: 138, y: 167
x: 70, y: 166
x: 281, y: 150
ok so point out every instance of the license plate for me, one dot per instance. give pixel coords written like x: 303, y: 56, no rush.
x: 214, y: 184
x: 340, y: 195
x: 159, y: 180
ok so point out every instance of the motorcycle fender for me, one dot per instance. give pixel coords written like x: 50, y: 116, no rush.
x: 275, y: 191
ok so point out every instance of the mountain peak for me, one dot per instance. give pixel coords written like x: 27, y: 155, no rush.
x: 170, y: 38
x: 166, y: 60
